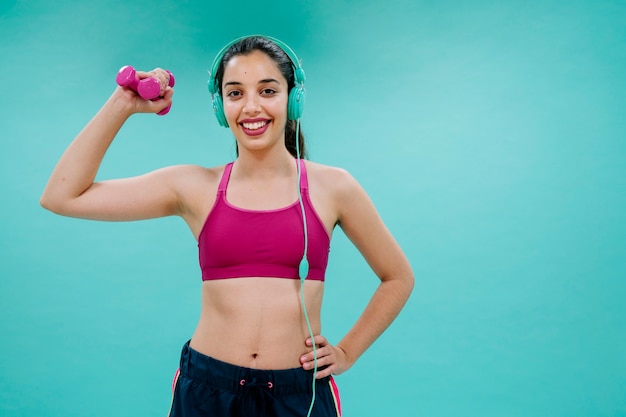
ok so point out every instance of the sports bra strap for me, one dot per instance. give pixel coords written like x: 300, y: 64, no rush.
x: 304, y: 181
x: 225, y: 178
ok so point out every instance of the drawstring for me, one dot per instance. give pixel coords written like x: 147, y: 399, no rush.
x: 255, y: 383
x: 256, y: 398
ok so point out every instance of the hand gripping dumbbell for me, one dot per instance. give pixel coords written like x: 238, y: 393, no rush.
x: 147, y: 88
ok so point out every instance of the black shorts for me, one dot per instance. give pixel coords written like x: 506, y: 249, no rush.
x: 206, y: 387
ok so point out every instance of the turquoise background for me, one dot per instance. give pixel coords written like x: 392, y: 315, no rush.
x: 490, y: 135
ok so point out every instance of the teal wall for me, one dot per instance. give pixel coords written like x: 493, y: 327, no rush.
x: 490, y: 135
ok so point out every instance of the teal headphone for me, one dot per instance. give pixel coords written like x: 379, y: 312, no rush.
x: 295, y: 104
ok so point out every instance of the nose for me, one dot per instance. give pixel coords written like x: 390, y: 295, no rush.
x: 251, y: 105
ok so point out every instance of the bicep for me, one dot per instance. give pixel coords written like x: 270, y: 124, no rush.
x: 151, y: 195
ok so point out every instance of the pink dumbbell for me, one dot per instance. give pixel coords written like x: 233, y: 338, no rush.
x: 147, y: 88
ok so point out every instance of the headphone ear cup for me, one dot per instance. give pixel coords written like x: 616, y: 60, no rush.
x: 295, y: 105
x: 218, y: 108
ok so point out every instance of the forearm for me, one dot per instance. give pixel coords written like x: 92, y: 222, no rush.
x: 77, y: 168
x: 383, y: 308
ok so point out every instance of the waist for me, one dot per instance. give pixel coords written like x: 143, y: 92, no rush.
x: 227, y: 376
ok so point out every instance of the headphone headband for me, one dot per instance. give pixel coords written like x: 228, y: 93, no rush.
x: 298, y: 71
x: 296, y: 95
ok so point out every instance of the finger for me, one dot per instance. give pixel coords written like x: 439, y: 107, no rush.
x: 324, y: 373
x: 309, y: 362
x: 309, y: 359
x: 323, y: 348
x: 309, y: 366
x: 312, y: 355
x: 153, y: 106
x: 144, y: 74
x: 168, y: 93
x: 162, y: 103
x: 156, y: 72
x: 162, y: 76
x: 319, y: 340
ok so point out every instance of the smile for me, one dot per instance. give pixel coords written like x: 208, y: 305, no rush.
x: 255, y: 127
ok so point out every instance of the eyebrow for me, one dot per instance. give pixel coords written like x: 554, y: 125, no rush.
x: 263, y: 81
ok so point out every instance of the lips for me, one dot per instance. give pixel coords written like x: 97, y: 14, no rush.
x: 254, y: 127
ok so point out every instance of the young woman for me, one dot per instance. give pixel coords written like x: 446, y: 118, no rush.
x: 257, y: 349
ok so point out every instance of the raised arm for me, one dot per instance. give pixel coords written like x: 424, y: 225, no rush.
x: 71, y: 190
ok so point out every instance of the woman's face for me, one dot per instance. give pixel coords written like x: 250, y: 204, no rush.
x: 255, y: 96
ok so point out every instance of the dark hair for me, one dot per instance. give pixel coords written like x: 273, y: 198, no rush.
x: 257, y: 43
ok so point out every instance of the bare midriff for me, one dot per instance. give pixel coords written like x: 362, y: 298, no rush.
x: 257, y: 322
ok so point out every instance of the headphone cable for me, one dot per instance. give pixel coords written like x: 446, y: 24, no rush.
x: 303, y: 269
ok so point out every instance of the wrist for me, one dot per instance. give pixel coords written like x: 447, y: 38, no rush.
x: 120, y: 104
x: 347, y: 358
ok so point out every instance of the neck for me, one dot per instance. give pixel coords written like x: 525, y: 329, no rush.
x: 264, y: 165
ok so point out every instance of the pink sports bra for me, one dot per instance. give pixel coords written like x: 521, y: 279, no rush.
x: 236, y: 242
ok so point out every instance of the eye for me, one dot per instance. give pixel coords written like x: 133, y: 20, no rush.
x: 233, y: 93
x: 268, y: 92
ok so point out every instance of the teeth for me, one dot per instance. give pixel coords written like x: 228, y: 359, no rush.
x: 255, y: 125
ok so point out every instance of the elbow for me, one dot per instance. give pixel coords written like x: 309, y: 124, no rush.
x: 409, y: 284
x: 58, y: 201
x: 406, y: 283
x: 401, y: 284
x: 50, y: 204
x: 46, y: 203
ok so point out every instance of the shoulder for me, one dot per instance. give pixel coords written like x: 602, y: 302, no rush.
x: 330, y: 176
x: 339, y: 191
x: 338, y: 181
x: 196, y: 188
x: 190, y: 182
